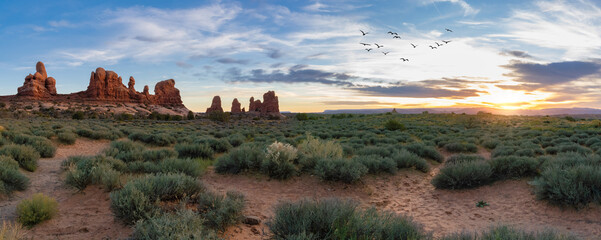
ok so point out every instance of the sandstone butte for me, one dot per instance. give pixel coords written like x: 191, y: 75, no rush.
x: 105, y: 86
x: 215, y: 105
x: 269, y: 107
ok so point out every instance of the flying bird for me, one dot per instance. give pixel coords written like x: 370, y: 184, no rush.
x: 414, y: 46
x: 364, y: 33
x: 368, y: 49
x: 446, y: 42
x: 390, y: 32
x: 378, y: 45
x: 396, y: 37
x: 448, y: 30
x: 386, y: 53
x: 438, y: 44
x: 365, y: 44
x: 433, y: 47
x: 405, y: 59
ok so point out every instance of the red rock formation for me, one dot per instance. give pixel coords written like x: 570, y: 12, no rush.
x: 236, y: 106
x: 270, y: 103
x: 166, y: 94
x: 38, y: 85
x: 255, y: 106
x: 215, y: 105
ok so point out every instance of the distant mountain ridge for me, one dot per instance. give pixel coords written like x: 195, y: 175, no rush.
x: 525, y: 112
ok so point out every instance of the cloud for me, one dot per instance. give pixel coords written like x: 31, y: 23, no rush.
x: 295, y: 74
x: 232, y: 61
x: 61, y: 23
x: 415, y: 91
x: 467, y: 9
x: 183, y: 64
x: 518, y: 54
x: 274, y: 53
x: 356, y: 103
x: 337, y: 6
x: 542, y: 75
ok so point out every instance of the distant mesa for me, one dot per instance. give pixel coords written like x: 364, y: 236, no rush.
x: 215, y: 105
x: 105, y: 86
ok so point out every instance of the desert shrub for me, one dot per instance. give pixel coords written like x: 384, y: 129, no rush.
x: 68, y: 138
x: 339, y: 219
x: 160, y: 139
x: 218, y: 145
x: 375, y: 150
x: 40, y: 144
x: 139, y: 198
x: 376, y: 164
x: 502, y: 232
x: 219, y: 116
x: 339, y: 169
x: 190, y: 167
x: 425, y: 151
x: 461, y: 147
x: 99, y: 134
x: 220, y: 211
x: 503, y: 151
x: 236, y: 139
x: 393, y: 125
x: 463, y: 175
x: 513, y: 167
x: 551, y: 150
x: 36, y: 209
x: 240, y: 159
x: 10, y: 177
x: 26, y: 156
x: 183, y: 224
x: 406, y: 159
x: 79, y: 115
x: 83, y: 171
x: 574, y: 148
x: 188, y: 150
x: 11, y: 231
x: 461, y: 158
x: 490, y: 143
x: 570, y: 179
x: 313, y: 149
x: 301, y: 116
x: 278, y: 162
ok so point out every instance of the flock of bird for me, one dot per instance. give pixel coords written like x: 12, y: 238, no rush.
x: 396, y: 36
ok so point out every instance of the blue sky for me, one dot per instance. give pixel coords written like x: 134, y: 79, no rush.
x: 502, y: 54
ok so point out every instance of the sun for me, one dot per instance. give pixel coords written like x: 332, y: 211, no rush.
x: 510, y: 99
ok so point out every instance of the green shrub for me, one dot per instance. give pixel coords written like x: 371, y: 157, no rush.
x: 240, y: 159
x: 376, y: 164
x: 278, y: 162
x: 503, y: 232
x: 236, y: 139
x: 339, y: 169
x: 220, y: 211
x: 79, y: 115
x: 406, y: 159
x: 190, y: 167
x: 393, y: 125
x: 186, y: 150
x: 425, y: 151
x: 40, y: 144
x: 513, y: 167
x: 26, y: 156
x: 219, y: 116
x: 68, y: 138
x: 161, y: 139
x: 313, y: 149
x: 375, y: 150
x: 463, y: 175
x: 183, y: 224
x: 461, y: 158
x: 37, y: 209
x: 339, y: 219
x: 10, y: 178
x: 301, y: 116
x: 83, y: 171
x: 139, y: 198
x: 570, y: 185
x: 461, y: 147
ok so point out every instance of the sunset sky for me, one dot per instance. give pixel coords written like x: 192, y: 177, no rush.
x: 503, y: 54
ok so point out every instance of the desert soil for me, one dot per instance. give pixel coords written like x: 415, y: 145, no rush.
x: 81, y: 215
x: 410, y: 192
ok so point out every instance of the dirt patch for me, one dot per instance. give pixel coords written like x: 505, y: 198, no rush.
x: 81, y: 215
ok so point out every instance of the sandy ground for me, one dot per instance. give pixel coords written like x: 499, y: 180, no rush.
x: 80, y: 215
x: 409, y: 192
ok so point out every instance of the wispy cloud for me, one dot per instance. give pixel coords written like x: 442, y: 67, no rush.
x: 545, y: 75
x: 467, y: 9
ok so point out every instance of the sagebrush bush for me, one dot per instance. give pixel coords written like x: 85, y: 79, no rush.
x: 393, y: 125
x: 503, y: 232
x: 313, y: 149
x: 187, y: 150
x: 218, y: 211
x: 461, y: 147
x: 36, y: 209
x: 339, y: 219
x: 406, y: 159
x: 377, y: 164
x: 278, y: 162
x: 339, y: 169
x: 183, y: 224
x: 10, y: 178
x: 461, y: 158
x: 42, y: 145
x: 83, y: 171
x: 160, y: 139
x: 425, y: 151
x: 139, y: 197
x: 240, y: 159
x: 513, y: 167
x: 26, y: 156
x: 463, y: 175
x: 68, y: 138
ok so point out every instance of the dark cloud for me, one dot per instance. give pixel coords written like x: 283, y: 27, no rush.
x: 148, y: 39
x: 274, y: 53
x: 183, y: 64
x: 232, y: 61
x: 276, y: 65
x: 553, y: 73
x: 518, y: 54
x: 355, y: 103
x: 296, y: 74
x: 415, y: 90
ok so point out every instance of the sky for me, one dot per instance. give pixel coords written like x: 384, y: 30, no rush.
x: 510, y: 54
